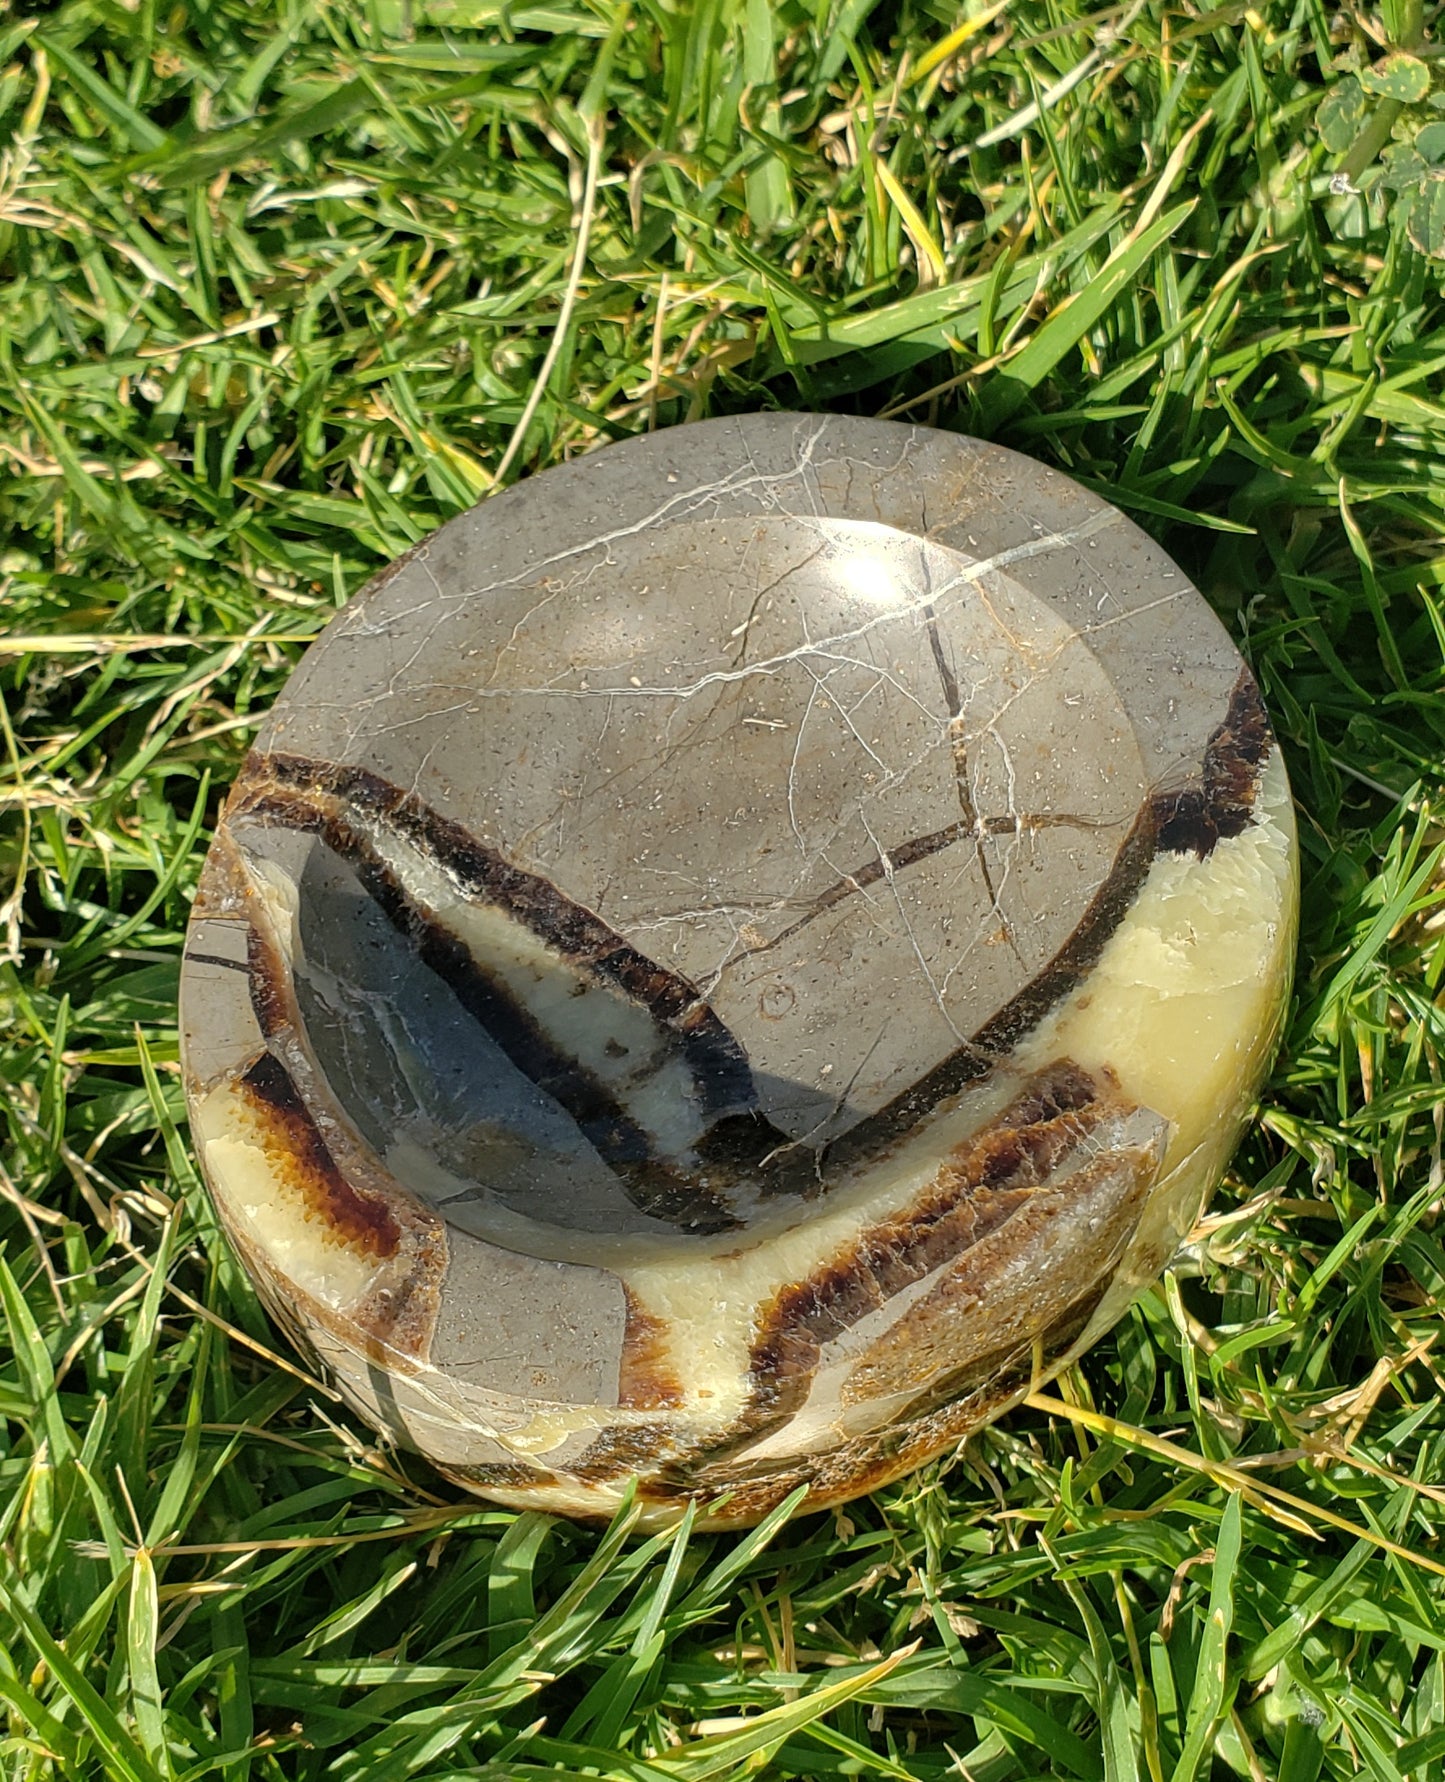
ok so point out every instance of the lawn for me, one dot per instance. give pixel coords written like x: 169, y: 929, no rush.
x: 283, y: 285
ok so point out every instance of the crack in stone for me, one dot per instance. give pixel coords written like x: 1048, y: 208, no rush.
x: 966, y: 578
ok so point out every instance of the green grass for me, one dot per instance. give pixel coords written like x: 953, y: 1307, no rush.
x: 277, y: 282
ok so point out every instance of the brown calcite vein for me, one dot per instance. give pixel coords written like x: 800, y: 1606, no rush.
x: 323, y: 1230
x: 736, y: 958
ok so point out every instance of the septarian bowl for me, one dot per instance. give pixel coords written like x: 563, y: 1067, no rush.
x: 734, y: 960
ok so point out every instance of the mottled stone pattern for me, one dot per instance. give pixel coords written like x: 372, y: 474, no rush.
x: 735, y: 958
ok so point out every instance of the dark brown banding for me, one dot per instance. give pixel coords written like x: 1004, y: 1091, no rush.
x: 647, y: 1380
x: 984, y: 1183
x: 575, y: 933
x: 749, y: 1144
x: 506, y: 1475
x: 1215, y: 805
x: 1080, y: 952
x: 929, y: 1425
x: 270, y: 999
x: 907, y: 819
x: 622, y: 1450
x: 618, y: 1140
x: 984, y: 1308
x: 295, y: 1146
x: 981, y: 1185
x: 216, y: 959
x: 1220, y: 802
x: 490, y: 1002
x: 719, y: 1064
x: 667, y: 1195
x: 654, y: 1188
x: 889, y: 1257
x: 1001, y: 1366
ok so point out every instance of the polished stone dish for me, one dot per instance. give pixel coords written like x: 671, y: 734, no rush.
x: 734, y: 959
